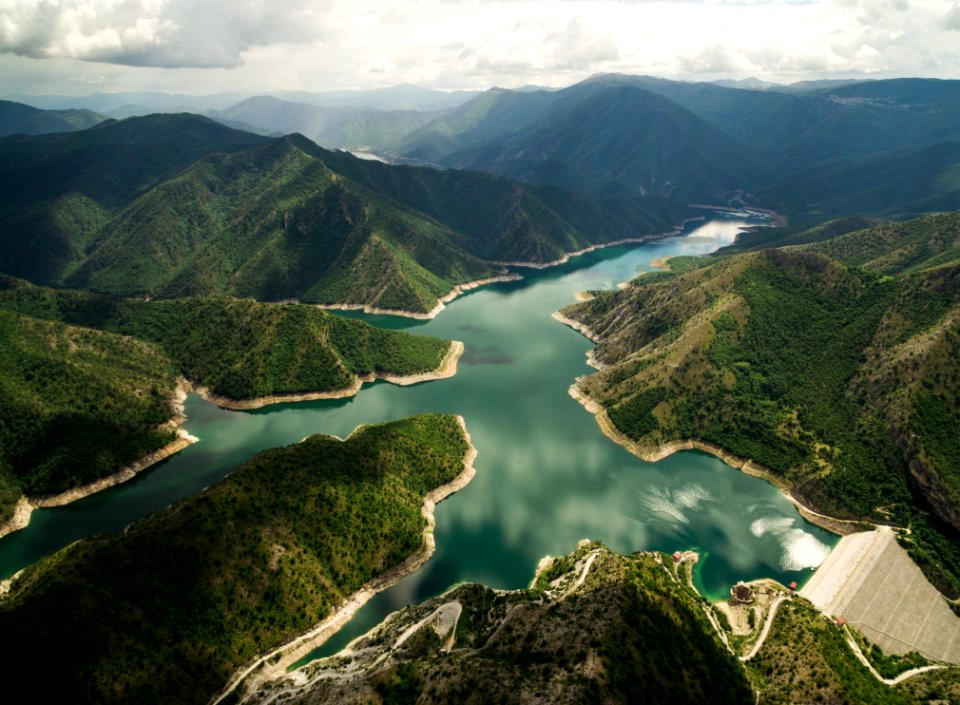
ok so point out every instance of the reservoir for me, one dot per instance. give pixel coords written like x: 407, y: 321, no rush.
x: 546, y: 475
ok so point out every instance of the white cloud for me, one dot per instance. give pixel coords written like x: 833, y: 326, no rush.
x: 167, y: 33
x: 952, y: 19
x: 318, y: 44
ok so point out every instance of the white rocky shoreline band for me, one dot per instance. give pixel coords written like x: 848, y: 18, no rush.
x: 447, y: 368
x: 25, y: 505
x: 506, y: 277
x: 655, y: 454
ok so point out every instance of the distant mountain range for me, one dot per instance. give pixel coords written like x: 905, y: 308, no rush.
x: 707, y: 142
x: 177, y: 204
x: 402, y: 97
x: 331, y: 126
x: 17, y: 118
x: 813, y: 150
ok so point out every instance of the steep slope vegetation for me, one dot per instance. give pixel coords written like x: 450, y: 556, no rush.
x: 906, y: 182
x: 503, y: 220
x: 58, y: 191
x: 880, y: 147
x: 796, y: 130
x: 167, y: 610
x: 274, y: 222
x: 839, y: 381
x: 595, y: 627
x: 621, y: 140
x: 897, y: 248
x: 77, y: 404
x: 807, y: 653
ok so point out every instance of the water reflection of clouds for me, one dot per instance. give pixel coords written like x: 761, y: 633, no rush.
x: 471, y: 328
x: 798, y: 548
x: 486, y: 355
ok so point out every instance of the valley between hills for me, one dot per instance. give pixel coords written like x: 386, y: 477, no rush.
x: 223, y: 253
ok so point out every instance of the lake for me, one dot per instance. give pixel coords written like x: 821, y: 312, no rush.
x: 546, y: 475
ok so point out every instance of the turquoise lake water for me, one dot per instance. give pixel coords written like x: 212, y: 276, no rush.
x: 546, y: 475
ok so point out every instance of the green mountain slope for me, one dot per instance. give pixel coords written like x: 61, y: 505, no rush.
x: 275, y: 222
x: 631, y: 631
x: 167, y: 610
x: 490, y: 115
x: 897, y: 248
x: 907, y: 182
x: 78, y: 404
x: 107, y: 406
x: 503, y: 220
x: 598, y: 627
x: 797, y: 130
x: 58, y: 191
x: 280, y: 219
x: 20, y: 119
x: 884, y: 147
x: 239, y: 348
x: 819, y: 372
x: 806, y: 652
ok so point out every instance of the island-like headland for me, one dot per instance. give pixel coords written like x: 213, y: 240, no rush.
x: 274, y: 664
x: 25, y: 505
x: 447, y: 368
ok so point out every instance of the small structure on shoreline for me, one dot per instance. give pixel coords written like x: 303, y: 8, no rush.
x: 741, y: 593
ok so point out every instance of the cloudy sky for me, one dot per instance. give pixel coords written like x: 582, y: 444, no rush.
x: 84, y: 46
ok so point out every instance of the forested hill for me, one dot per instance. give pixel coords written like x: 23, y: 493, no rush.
x: 120, y: 209
x: 844, y: 382
x: 897, y: 247
x: 167, y: 611
x: 58, y: 191
x: 88, y: 379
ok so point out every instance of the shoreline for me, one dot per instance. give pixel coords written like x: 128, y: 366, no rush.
x: 834, y: 525
x: 661, y: 263
x: 567, y: 256
x: 447, y: 368
x: 776, y: 219
x: 506, y: 277
x: 26, y: 504
x: 586, y: 332
x: 299, y: 646
x: 420, y: 316
x: 125, y: 473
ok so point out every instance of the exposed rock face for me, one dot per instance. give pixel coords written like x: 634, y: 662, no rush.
x: 595, y: 627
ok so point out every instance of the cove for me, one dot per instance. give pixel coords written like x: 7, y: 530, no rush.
x: 546, y: 475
